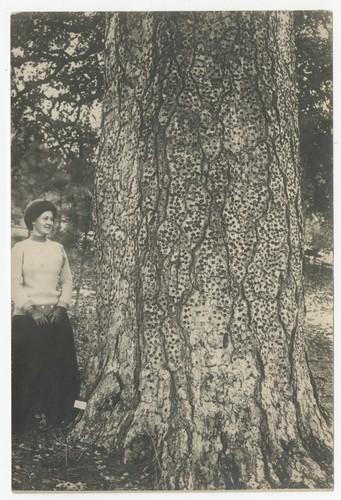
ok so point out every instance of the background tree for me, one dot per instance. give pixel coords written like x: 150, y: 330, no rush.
x: 314, y: 68
x: 57, y: 87
x: 201, y: 359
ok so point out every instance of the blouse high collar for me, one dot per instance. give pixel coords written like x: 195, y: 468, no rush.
x: 35, y: 237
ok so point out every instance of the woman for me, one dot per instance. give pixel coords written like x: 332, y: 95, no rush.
x: 44, y: 365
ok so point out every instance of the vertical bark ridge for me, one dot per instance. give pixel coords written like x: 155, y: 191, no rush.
x: 199, y: 226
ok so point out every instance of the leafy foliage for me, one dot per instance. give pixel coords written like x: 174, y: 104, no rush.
x: 57, y: 87
x: 57, y: 81
x: 314, y: 72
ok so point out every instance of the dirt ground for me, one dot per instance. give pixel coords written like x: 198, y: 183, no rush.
x: 46, y: 460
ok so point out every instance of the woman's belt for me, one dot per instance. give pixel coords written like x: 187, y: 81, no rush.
x: 45, y: 309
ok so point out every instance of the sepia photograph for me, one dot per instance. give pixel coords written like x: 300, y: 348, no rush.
x: 172, y: 250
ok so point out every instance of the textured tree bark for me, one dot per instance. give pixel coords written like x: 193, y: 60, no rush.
x: 201, y: 356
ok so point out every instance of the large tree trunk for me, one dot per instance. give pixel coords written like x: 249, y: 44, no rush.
x: 199, y: 226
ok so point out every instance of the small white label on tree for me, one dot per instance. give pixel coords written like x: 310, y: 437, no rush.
x: 80, y: 405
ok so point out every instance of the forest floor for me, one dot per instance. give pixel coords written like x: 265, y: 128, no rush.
x: 46, y: 460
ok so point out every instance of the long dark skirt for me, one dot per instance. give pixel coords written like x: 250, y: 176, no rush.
x: 44, y: 372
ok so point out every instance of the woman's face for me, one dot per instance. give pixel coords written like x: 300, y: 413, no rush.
x: 42, y: 226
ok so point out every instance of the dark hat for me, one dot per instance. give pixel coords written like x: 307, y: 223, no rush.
x: 36, y: 208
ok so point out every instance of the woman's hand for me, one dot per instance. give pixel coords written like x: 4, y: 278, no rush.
x: 37, y: 316
x: 57, y: 314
